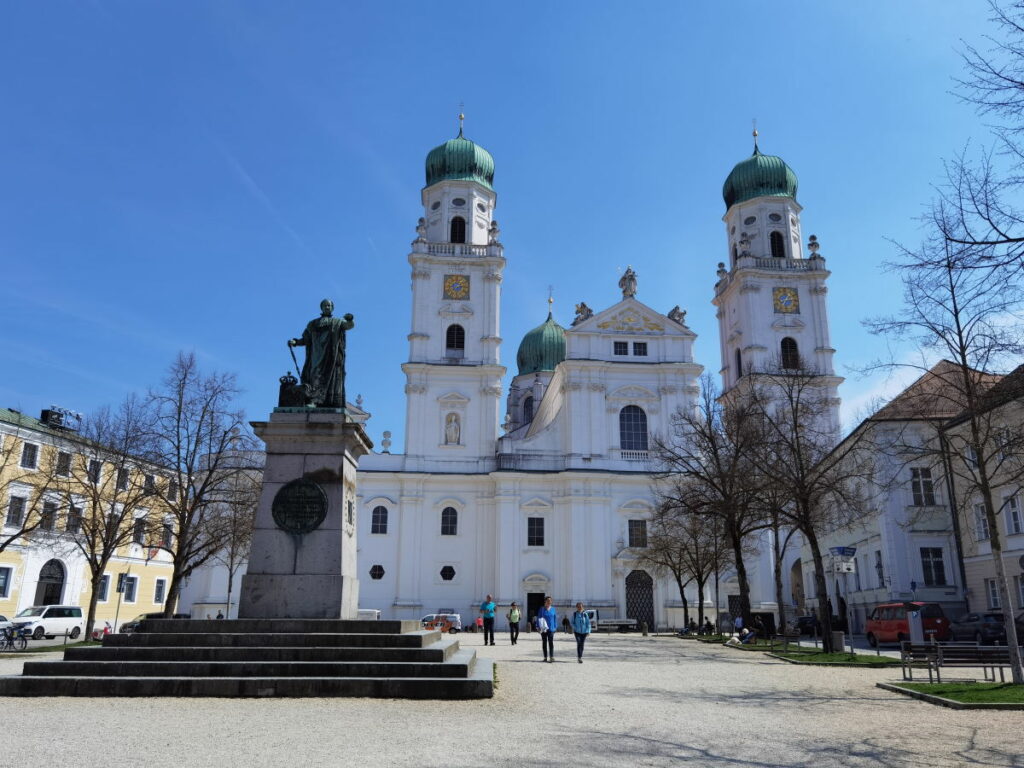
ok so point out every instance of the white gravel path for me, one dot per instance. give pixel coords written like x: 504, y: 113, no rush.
x: 635, y: 701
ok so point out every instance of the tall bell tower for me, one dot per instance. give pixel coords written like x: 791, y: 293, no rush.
x: 454, y: 373
x: 770, y: 294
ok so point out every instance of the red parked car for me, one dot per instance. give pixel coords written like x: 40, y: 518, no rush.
x: 888, y: 622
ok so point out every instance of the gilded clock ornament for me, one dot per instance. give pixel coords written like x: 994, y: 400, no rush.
x: 456, y: 286
x: 786, y: 300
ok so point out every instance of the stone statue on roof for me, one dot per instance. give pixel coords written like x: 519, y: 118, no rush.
x: 628, y: 283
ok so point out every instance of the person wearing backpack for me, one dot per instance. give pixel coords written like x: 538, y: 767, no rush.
x: 513, y: 617
x: 580, y: 628
x: 547, y: 623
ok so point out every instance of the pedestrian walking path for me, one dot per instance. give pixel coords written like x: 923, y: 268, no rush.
x: 651, y: 701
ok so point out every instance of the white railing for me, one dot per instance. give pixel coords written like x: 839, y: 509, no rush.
x: 458, y: 249
x: 634, y: 455
x: 797, y: 265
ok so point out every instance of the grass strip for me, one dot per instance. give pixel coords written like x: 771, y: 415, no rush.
x: 51, y: 648
x: 846, y: 659
x: 972, y: 693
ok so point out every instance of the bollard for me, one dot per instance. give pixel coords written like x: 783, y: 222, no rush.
x: 643, y: 627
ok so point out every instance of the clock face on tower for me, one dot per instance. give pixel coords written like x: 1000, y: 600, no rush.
x: 456, y: 286
x: 786, y: 300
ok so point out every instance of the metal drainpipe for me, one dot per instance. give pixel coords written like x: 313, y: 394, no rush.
x: 954, y: 512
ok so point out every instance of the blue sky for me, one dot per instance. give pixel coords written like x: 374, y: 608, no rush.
x: 198, y: 175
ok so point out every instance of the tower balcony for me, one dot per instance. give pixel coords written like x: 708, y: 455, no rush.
x: 456, y: 249
x: 780, y: 264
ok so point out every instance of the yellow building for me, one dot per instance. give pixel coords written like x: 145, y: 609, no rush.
x: 56, y: 490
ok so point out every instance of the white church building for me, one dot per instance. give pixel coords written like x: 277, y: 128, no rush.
x: 555, y: 499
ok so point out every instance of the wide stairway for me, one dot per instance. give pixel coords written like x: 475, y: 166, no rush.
x: 264, y: 658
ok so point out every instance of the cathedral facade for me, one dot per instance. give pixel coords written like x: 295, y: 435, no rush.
x: 554, y: 498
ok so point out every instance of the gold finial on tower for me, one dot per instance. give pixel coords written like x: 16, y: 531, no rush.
x: 754, y: 121
x: 462, y: 116
x: 551, y: 299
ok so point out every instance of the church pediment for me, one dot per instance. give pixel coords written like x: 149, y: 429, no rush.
x: 632, y: 317
x: 788, y: 322
x: 633, y: 392
x: 453, y: 400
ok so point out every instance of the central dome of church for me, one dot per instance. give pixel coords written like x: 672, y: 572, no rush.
x: 542, y: 348
x: 759, y: 176
x: 459, y: 159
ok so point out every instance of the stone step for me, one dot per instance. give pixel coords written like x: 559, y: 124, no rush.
x: 478, y: 685
x: 434, y: 653
x: 418, y: 639
x: 305, y: 626
x: 459, y: 666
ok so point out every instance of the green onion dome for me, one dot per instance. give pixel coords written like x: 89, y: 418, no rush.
x: 459, y: 159
x: 542, y: 348
x: 759, y: 176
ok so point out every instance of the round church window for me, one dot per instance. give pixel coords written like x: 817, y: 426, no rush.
x: 481, y: 207
x: 436, y: 205
x: 458, y: 202
x: 750, y: 220
x: 775, y: 216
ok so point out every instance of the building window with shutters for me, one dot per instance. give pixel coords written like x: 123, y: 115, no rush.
x: 16, y: 510
x: 449, y: 522
x: 95, y: 471
x: 981, y: 531
x: 379, y: 520
x: 122, y: 479
x: 638, y: 533
x: 1014, y: 523
x: 5, y: 581
x: 159, y: 590
x: 921, y: 487
x: 48, y: 517
x: 63, y: 467
x: 29, y: 456
x: 139, y: 531
x: 103, y: 588
x: 74, y: 522
x: 992, y: 591
x: 131, y: 588
x: 535, y: 531
x: 932, y: 567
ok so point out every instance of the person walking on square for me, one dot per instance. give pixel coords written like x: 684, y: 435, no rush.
x: 547, y: 623
x: 580, y: 628
x: 513, y: 617
x: 487, y: 611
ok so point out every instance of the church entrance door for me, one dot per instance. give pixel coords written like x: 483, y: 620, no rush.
x: 534, y: 602
x: 640, y: 598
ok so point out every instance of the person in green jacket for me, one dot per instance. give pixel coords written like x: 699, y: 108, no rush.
x: 513, y: 617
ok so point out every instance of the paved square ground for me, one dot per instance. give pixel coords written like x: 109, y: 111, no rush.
x: 653, y: 701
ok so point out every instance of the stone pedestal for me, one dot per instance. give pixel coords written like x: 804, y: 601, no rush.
x: 308, y: 575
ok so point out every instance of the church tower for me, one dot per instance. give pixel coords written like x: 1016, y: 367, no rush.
x: 453, y: 376
x: 771, y: 298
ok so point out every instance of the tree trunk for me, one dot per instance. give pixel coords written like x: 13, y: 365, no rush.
x: 821, y: 590
x: 741, y: 577
x: 90, y: 620
x: 172, y: 595
x: 686, y: 605
x: 231, y: 581
x: 718, y: 604
x: 700, y: 603
x: 780, y: 597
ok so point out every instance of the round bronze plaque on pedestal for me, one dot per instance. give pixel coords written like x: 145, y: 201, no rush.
x: 299, y: 507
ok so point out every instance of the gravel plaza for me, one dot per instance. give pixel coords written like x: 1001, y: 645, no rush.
x: 635, y: 700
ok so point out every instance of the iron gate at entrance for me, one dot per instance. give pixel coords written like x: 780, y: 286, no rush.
x: 640, y: 598
x: 51, y: 583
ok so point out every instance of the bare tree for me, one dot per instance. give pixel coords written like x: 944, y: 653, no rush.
x: 663, y: 554
x: 707, y: 471
x: 202, y: 441
x: 816, y: 484
x: 236, y: 523
x: 109, y: 487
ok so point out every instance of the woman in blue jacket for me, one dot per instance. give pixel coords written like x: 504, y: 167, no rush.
x: 581, y: 628
x: 547, y: 629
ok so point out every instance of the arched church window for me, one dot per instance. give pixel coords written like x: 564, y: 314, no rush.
x: 778, y: 244
x: 449, y: 521
x: 379, y: 520
x: 739, y: 363
x: 457, y: 231
x: 735, y: 254
x: 790, y: 354
x: 632, y: 429
x: 454, y: 341
x: 528, y: 410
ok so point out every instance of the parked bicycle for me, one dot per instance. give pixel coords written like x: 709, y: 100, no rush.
x: 13, y: 640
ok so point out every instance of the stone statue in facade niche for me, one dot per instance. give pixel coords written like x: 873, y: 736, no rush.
x: 628, y: 283
x: 677, y: 315
x: 323, y: 373
x: 492, y: 233
x: 583, y: 312
x: 452, y: 429
x: 421, y: 230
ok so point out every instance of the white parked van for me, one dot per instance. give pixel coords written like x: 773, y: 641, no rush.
x: 48, y: 621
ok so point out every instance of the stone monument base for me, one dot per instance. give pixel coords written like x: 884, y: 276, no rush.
x: 300, y: 596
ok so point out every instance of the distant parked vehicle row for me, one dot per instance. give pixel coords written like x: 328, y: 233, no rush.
x: 888, y: 623
x: 986, y: 628
x: 131, y: 626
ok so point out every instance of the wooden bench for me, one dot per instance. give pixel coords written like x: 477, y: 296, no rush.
x: 936, y: 656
